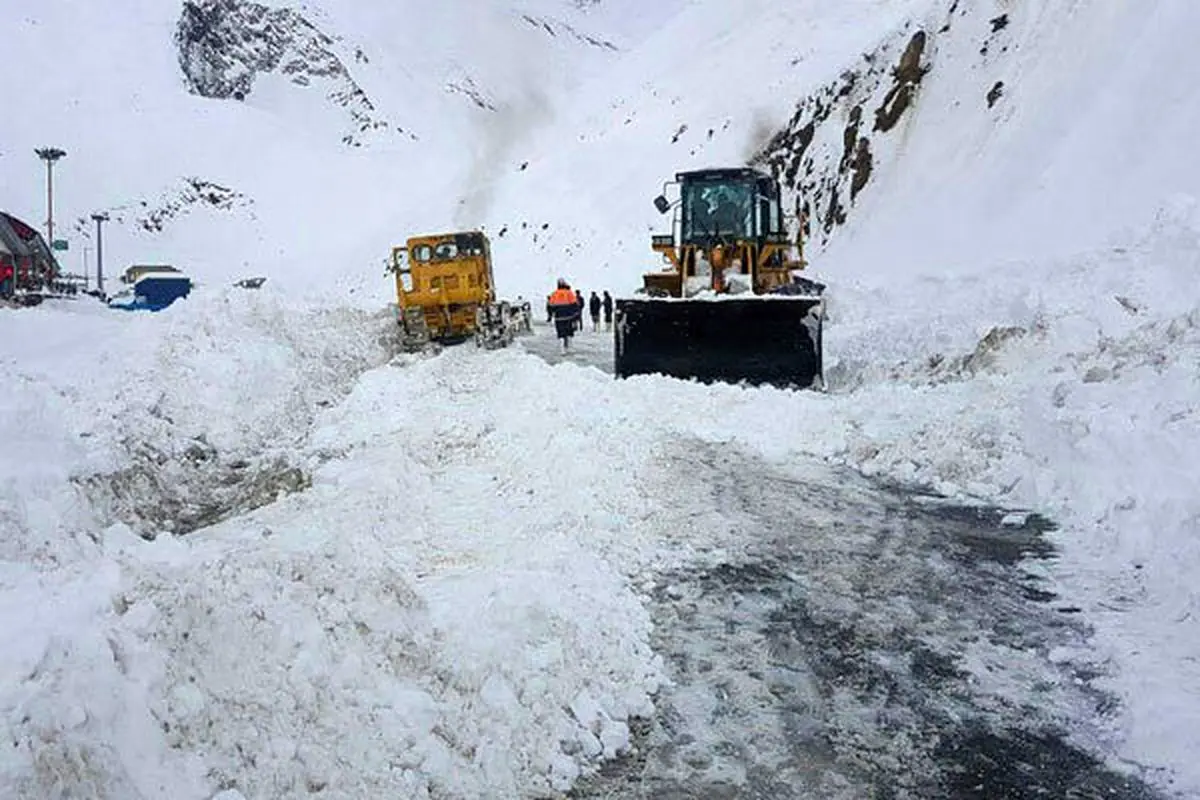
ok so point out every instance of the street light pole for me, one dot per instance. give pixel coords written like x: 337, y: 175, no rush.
x: 100, y: 218
x: 50, y: 155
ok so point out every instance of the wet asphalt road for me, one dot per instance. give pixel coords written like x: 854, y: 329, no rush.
x: 866, y: 641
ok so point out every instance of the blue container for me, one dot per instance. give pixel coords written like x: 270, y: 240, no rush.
x: 153, y: 293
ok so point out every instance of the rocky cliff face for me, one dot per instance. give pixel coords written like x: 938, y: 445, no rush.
x: 841, y: 136
x: 554, y: 27
x: 826, y: 153
x: 224, y: 45
x: 178, y: 200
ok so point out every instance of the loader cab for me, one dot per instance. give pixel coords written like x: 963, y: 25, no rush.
x: 727, y: 234
x: 724, y: 206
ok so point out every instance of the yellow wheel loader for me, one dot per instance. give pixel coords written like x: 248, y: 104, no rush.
x: 445, y: 292
x: 730, y: 305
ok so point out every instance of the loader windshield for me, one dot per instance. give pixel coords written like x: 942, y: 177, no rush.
x: 717, y: 209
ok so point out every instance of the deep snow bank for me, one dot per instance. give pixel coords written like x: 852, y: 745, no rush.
x: 440, y: 611
x: 92, y: 393
x: 1076, y: 397
x: 447, y: 609
x: 490, y: 521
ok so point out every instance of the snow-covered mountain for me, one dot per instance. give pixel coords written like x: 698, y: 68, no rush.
x: 340, y: 128
x: 1001, y: 195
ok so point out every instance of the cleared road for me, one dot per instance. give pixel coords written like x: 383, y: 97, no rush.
x: 867, y: 642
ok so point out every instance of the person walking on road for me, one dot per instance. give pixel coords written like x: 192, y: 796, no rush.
x: 564, y: 306
x: 581, y: 303
x: 594, y: 308
x: 607, y: 304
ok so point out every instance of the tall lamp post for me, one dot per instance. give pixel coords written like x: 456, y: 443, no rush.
x: 100, y: 217
x: 50, y: 155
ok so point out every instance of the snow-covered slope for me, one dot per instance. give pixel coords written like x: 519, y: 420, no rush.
x: 1003, y: 199
x: 332, y: 130
x: 992, y: 131
x: 710, y: 88
x: 1001, y: 195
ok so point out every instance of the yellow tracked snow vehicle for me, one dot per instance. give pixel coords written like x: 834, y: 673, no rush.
x: 445, y: 293
x: 730, y: 305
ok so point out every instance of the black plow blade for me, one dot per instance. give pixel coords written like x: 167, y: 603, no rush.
x: 773, y: 340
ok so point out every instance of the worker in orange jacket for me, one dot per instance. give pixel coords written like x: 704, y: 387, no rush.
x: 566, y: 312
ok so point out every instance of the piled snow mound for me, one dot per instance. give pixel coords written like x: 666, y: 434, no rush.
x: 1076, y: 396
x: 439, y: 614
x: 446, y: 607
x: 79, y: 720
x: 90, y: 388
x: 325, y: 665
x: 137, y: 410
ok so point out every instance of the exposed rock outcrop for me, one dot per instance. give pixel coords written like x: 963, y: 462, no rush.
x: 827, y: 168
x: 225, y: 45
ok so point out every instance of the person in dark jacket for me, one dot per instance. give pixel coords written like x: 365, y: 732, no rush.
x: 594, y: 308
x: 565, y: 307
x: 607, y: 304
x: 581, y: 303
